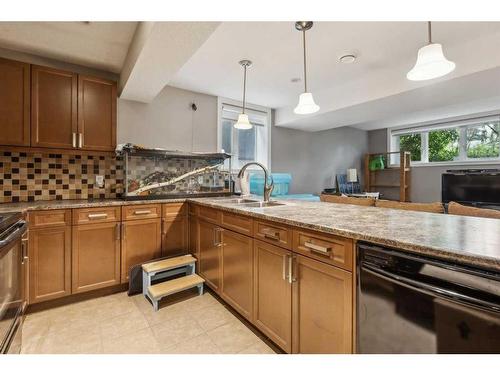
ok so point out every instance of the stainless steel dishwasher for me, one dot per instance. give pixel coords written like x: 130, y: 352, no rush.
x: 412, y: 304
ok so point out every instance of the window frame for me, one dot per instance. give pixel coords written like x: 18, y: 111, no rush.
x: 268, y: 111
x: 460, y: 124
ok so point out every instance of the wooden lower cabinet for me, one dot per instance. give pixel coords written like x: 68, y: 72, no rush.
x: 174, y: 236
x: 322, y: 308
x: 210, y: 254
x: 193, y: 238
x: 273, y: 294
x: 50, y: 263
x: 237, y: 272
x: 95, y: 256
x: 141, y: 241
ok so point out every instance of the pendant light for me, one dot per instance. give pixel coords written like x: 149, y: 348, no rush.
x: 243, y: 123
x: 431, y: 62
x: 306, y: 102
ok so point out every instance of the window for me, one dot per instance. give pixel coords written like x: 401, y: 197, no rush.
x: 453, y: 142
x: 244, y: 145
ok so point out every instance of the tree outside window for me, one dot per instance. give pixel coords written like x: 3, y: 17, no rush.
x: 483, y: 141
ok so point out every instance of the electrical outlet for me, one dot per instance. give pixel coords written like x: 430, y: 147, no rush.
x: 99, y: 181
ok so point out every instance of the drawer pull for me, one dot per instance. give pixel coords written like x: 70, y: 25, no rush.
x: 97, y: 216
x: 270, y: 234
x: 284, y: 266
x: 142, y: 212
x: 317, y: 248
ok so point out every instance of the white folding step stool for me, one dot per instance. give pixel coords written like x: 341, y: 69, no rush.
x: 169, y: 267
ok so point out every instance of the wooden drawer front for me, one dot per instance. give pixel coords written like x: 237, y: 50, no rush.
x: 49, y: 218
x: 209, y: 214
x: 96, y: 215
x: 173, y: 210
x: 141, y: 211
x: 330, y: 249
x: 276, y: 234
x: 238, y: 223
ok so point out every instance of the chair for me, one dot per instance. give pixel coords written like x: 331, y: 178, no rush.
x: 435, y: 207
x: 455, y: 208
x: 347, y: 200
x: 345, y: 187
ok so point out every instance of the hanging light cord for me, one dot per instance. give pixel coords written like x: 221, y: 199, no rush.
x: 429, y: 31
x: 305, y: 74
x: 244, y: 85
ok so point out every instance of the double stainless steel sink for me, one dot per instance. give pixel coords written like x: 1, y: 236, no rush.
x: 251, y: 202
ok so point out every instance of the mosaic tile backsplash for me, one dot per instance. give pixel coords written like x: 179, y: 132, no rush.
x: 26, y: 176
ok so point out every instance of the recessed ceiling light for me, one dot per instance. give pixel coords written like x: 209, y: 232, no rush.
x: 347, y: 59
x: 295, y: 80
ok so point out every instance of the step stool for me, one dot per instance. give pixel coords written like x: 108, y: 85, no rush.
x: 169, y: 267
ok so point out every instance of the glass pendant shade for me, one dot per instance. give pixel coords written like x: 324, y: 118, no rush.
x: 243, y: 122
x: 431, y: 63
x: 306, y: 104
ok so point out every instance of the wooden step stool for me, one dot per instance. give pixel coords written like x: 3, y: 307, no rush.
x: 169, y: 267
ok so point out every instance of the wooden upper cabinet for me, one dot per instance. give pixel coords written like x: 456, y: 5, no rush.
x: 96, y: 114
x: 14, y: 103
x: 53, y: 108
x: 322, y: 308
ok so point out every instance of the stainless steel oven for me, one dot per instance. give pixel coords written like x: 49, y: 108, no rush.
x: 12, y: 288
x: 412, y: 304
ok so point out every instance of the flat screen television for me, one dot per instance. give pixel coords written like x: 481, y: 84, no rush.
x: 472, y: 187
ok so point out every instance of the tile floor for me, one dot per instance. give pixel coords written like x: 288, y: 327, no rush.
x: 118, y: 324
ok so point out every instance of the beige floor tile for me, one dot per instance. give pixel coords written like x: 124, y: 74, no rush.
x: 123, y: 324
x: 201, y: 344
x: 35, y: 326
x: 258, y: 348
x: 213, y: 317
x: 233, y: 337
x: 200, y: 302
x: 140, y: 342
x: 166, y: 313
x: 176, y: 331
x: 72, y: 342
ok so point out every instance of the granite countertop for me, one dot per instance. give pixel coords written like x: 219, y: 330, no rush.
x: 462, y: 239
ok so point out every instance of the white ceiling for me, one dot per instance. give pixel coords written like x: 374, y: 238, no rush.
x: 99, y: 45
x: 385, y: 50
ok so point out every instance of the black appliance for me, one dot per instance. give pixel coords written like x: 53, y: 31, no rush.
x: 12, y: 288
x: 412, y: 304
x: 476, y: 187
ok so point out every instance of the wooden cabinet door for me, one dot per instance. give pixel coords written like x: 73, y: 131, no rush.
x: 141, y: 241
x: 53, y: 108
x: 193, y: 247
x: 96, y: 113
x: 322, y: 308
x: 50, y: 263
x: 237, y: 272
x: 95, y: 256
x: 273, y: 294
x: 174, y: 237
x: 14, y: 103
x: 210, y: 249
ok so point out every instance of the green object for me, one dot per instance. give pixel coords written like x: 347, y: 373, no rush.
x: 377, y: 163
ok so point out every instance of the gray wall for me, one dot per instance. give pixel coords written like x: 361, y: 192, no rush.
x: 426, y: 180
x: 169, y: 122
x: 314, y: 159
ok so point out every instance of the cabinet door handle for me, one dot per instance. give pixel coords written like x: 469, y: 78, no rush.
x: 117, y: 231
x: 163, y: 225
x: 74, y: 140
x: 80, y: 140
x: 24, y: 250
x: 123, y: 226
x: 269, y: 233
x: 284, y: 266
x: 142, y: 212
x: 317, y: 248
x: 291, y: 278
x: 97, y: 216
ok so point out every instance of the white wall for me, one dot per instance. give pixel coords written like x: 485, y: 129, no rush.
x: 169, y: 122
